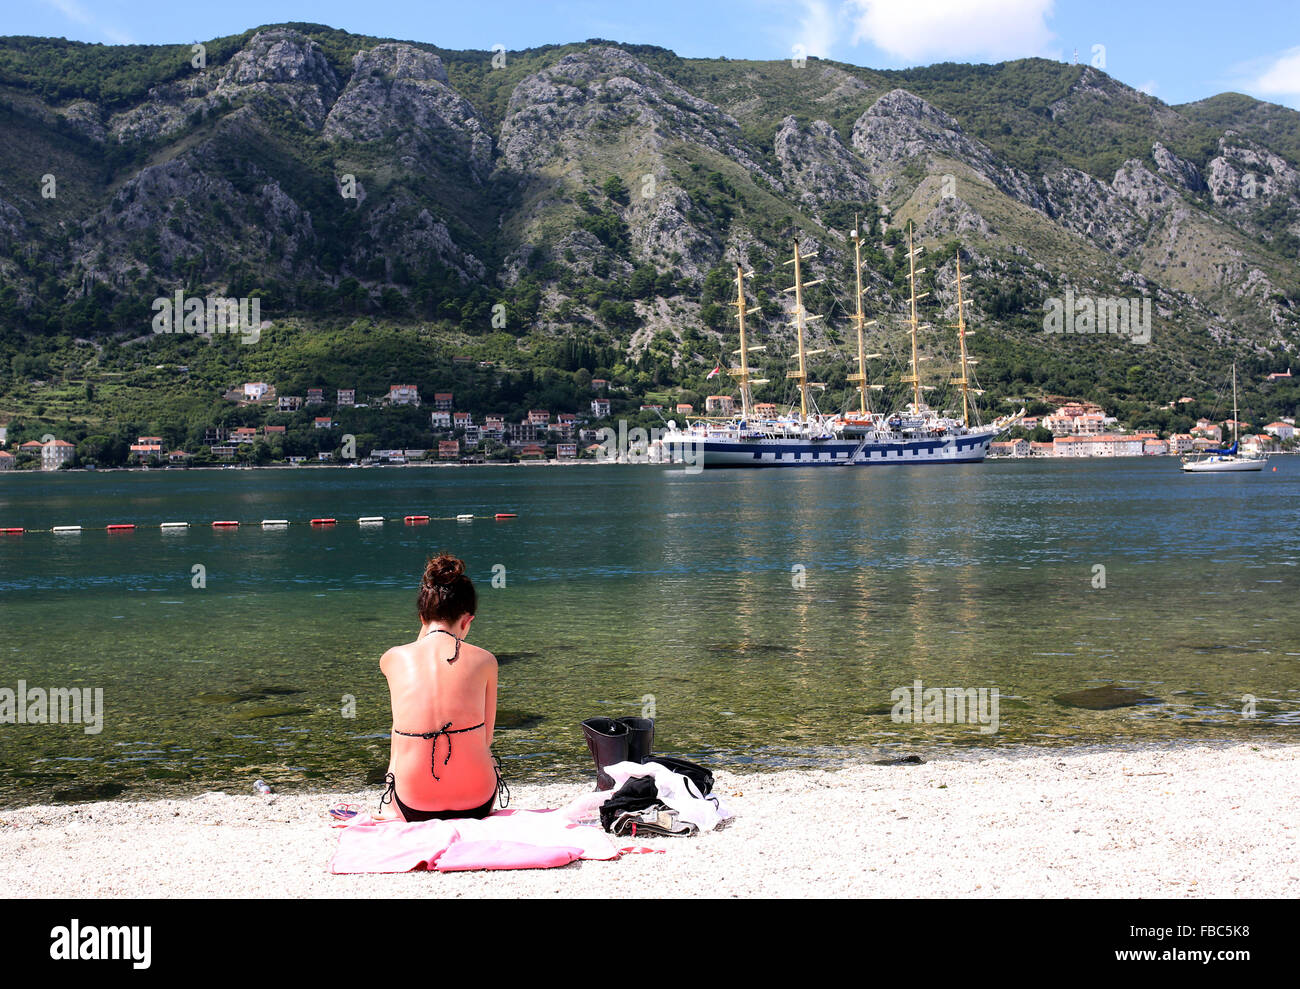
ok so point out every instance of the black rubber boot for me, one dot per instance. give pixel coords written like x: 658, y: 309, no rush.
x: 607, y: 740
x: 641, y: 738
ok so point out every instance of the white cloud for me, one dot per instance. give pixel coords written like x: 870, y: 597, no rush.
x: 1281, y: 78
x: 74, y: 11
x: 929, y: 30
x: 817, y: 29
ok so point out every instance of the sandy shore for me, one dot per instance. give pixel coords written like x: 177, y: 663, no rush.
x: 1176, y: 821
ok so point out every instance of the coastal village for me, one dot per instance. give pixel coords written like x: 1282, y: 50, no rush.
x: 1076, y: 429
x: 1083, y: 429
x: 455, y: 435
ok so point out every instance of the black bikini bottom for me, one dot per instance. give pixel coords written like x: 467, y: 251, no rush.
x: 412, y: 815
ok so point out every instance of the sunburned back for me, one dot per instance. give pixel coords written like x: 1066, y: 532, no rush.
x: 428, y: 693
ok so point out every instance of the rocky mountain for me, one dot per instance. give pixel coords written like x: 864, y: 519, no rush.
x: 598, y: 195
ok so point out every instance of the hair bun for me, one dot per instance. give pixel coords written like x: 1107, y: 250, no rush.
x: 443, y: 569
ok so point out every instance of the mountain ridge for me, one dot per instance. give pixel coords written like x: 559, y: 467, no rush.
x: 518, y: 193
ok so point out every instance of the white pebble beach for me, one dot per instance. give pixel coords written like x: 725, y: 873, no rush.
x: 1184, y: 820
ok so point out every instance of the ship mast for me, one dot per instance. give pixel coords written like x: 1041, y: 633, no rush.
x: 914, y: 378
x: 964, y: 380
x: 860, y: 317
x: 1234, y: 404
x: 800, y: 319
x: 742, y: 373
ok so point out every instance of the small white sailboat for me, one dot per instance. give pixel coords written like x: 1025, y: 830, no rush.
x: 1229, y: 460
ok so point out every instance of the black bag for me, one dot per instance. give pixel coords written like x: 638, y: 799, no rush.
x: 698, y: 775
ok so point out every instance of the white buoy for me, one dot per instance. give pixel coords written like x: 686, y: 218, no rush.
x: 371, y: 520
x: 66, y: 528
x: 173, y: 525
x: 464, y: 518
x: 274, y: 523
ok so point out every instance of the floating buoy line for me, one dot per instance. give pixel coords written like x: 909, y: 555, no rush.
x: 227, y: 524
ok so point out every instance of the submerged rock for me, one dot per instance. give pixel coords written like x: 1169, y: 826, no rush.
x: 268, y: 711
x: 88, y: 791
x: 511, y: 718
x: 1105, y: 698
x: 376, y: 777
x: 217, y: 699
x: 907, y: 760
x: 511, y: 657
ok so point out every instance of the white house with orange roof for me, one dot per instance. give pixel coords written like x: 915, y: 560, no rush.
x: 1208, y: 430
x: 403, y: 395
x: 723, y: 405
x: 1106, y: 445
x: 1282, y: 430
x: 56, y: 453
x: 1010, y: 448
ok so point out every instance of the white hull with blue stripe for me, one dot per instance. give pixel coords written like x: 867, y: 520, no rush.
x: 732, y: 447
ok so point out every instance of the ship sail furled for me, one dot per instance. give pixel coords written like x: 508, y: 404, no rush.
x: 741, y: 374
x: 814, y: 439
x: 860, y: 320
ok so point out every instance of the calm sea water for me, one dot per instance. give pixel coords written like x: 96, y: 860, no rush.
x: 766, y: 616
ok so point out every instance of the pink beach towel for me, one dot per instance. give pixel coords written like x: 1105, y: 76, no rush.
x: 463, y: 856
x: 506, y: 839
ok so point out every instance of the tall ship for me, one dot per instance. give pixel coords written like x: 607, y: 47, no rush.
x: 759, y: 436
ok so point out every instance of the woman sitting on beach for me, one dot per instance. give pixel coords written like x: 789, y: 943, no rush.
x: 444, y: 696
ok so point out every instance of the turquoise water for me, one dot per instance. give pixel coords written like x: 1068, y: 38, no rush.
x: 633, y: 586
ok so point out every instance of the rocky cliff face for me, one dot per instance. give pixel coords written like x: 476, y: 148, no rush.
x: 901, y: 130
x: 401, y: 95
x: 818, y: 168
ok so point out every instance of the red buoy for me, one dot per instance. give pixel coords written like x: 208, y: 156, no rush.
x: 225, y: 525
x: 13, y: 531
x: 120, y: 527
x: 506, y: 515
x: 323, y: 521
x: 412, y: 519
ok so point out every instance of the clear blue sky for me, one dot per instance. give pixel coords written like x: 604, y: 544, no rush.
x: 1178, y: 51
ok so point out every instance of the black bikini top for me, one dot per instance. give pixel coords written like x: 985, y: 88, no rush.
x: 446, y: 729
x: 454, y: 656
